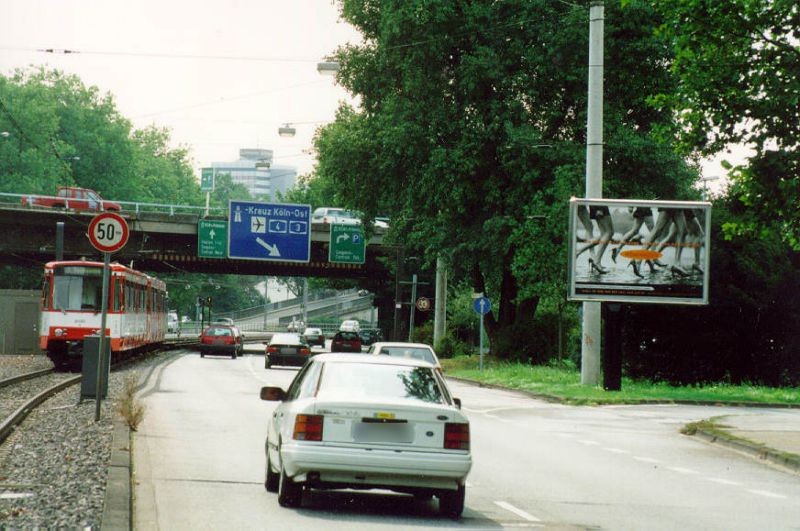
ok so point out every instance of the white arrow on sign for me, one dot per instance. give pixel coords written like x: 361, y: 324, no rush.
x: 272, y: 249
x: 342, y: 238
x: 212, y: 233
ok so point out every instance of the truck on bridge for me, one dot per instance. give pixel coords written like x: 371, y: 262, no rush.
x: 74, y: 198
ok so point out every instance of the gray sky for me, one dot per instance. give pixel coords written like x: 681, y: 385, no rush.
x: 158, y: 59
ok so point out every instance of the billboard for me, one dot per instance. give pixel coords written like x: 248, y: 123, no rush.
x: 639, y: 251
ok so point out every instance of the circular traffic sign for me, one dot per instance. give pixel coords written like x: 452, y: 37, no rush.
x: 482, y: 305
x: 108, y: 232
x: 423, y: 304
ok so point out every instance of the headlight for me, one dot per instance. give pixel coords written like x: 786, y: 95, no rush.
x: 59, y: 332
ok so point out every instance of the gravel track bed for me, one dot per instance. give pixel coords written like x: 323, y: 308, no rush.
x: 53, y: 468
x: 14, y: 396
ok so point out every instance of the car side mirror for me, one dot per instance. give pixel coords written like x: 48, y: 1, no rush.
x: 273, y: 394
x: 457, y: 402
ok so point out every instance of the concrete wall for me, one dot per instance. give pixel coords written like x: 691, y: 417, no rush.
x: 19, y: 321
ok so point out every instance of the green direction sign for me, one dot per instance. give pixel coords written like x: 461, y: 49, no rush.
x: 207, y: 180
x: 347, y: 244
x: 212, y: 238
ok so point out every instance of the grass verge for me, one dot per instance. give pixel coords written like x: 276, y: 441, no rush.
x: 563, y: 384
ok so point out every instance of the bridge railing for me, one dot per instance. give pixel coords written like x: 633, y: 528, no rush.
x: 127, y: 206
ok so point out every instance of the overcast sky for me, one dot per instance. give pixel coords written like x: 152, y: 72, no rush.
x: 221, y: 74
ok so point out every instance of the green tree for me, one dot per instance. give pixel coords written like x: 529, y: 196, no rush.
x: 738, y: 63
x: 458, y: 100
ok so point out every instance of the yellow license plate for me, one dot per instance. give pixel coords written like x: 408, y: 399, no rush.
x: 384, y: 415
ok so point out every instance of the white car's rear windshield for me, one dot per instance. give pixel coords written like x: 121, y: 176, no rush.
x: 354, y: 381
x: 409, y: 352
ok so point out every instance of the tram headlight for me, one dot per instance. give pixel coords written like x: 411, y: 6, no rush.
x: 59, y: 332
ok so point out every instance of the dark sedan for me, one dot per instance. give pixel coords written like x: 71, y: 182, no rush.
x: 346, y: 342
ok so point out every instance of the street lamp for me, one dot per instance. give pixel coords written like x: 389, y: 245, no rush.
x: 328, y: 68
x: 705, y: 181
x: 286, y: 131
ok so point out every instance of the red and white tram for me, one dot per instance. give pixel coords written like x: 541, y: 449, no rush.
x: 72, y: 306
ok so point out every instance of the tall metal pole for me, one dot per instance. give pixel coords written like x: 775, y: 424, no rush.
x: 266, y: 301
x: 412, y: 307
x: 440, y: 304
x: 591, y: 340
x: 101, y: 352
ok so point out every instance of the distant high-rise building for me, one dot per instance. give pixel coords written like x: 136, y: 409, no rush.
x: 255, y: 171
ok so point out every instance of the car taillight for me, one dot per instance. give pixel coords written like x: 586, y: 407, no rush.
x: 456, y: 436
x: 308, y: 427
x: 272, y: 350
x: 305, y: 351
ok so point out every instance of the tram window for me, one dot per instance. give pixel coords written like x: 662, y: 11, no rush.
x: 77, y: 292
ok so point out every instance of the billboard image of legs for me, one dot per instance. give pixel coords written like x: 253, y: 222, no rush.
x: 639, y: 251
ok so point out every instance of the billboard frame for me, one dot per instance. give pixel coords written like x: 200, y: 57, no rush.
x: 624, y: 282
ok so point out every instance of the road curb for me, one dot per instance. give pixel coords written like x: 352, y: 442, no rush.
x: 117, y: 503
x: 757, y: 450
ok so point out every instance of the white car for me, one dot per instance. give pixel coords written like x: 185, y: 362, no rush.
x: 341, y: 216
x: 368, y: 422
x: 350, y: 325
x: 419, y: 351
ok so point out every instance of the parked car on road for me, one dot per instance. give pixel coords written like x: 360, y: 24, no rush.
x: 399, y: 349
x: 221, y: 340
x: 346, y: 342
x: 314, y: 336
x: 172, y: 322
x: 368, y: 422
x: 287, y: 349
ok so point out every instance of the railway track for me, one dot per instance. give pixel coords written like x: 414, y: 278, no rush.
x: 21, y: 394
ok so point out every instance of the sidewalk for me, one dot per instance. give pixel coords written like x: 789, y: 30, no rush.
x: 770, y: 435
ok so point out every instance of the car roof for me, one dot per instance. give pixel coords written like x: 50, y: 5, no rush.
x: 285, y: 336
x: 401, y: 344
x: 360, y: 358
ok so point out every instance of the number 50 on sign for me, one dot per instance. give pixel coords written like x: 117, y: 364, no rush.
x: 108, y: 232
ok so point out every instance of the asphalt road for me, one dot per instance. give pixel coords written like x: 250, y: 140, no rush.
x: 199, y: 464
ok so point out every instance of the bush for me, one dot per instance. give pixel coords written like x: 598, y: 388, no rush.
x: 423, y: 333
x: 450, y: 347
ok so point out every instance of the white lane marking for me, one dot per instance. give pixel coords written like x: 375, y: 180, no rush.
x: 519, y: 512
x: 566, y: 435
x: 498, y: 418
x: 615, y: 450
x: 725, y: 482
x: 766, y: 493
x: 681, y: 470
x: 646, y: 459
x: 588, y: 442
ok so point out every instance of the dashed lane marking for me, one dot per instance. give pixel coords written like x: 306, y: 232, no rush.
x: 766, y: 493
x: 725, y: 482
x: 588, y: 442
x: 615, y: 450
x: 682, y: 470
x: 519, y: 512
x: 646, y: 459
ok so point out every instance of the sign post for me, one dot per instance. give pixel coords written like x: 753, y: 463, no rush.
x: 212, y: 238
x: 207, y: 178
x: 108, y: 232
x: 482, y: 306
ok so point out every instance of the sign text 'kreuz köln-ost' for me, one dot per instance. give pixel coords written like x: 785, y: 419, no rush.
x: 279, y: 232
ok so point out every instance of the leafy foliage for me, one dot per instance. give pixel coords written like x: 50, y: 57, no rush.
x: 458, y: 101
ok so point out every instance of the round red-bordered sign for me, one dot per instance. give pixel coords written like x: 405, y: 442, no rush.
x: 423, y: 304
x: 108, y: 232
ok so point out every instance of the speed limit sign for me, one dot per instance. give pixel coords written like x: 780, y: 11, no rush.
x: 108, y: 232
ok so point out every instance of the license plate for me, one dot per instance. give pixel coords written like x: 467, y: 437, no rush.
x: 365, y: 432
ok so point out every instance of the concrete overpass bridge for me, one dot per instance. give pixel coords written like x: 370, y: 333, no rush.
x: 163, y: 242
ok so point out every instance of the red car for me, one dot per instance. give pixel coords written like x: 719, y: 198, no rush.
x: 221, y: 340
x: 74, y: 198
x: 346, y: 342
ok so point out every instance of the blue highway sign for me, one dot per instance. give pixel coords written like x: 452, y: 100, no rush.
x: 278, y: 232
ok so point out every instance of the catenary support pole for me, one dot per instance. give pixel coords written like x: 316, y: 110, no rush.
x: 440, y: 304
x: 590, y: 338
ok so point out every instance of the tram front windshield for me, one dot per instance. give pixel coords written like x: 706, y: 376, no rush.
x: 78, y: 288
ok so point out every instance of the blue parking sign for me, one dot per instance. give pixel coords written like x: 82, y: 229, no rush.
x: 279, y: 232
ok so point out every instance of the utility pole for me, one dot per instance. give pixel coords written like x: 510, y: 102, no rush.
x: 591, y: 338
x: 440, y: 304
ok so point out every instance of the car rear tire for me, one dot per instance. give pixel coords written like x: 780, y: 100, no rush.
x: 267, y: 363
x: 290, y: 494
x: 451, y: 502
x: 202, y: 354
x: 273, y: 479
